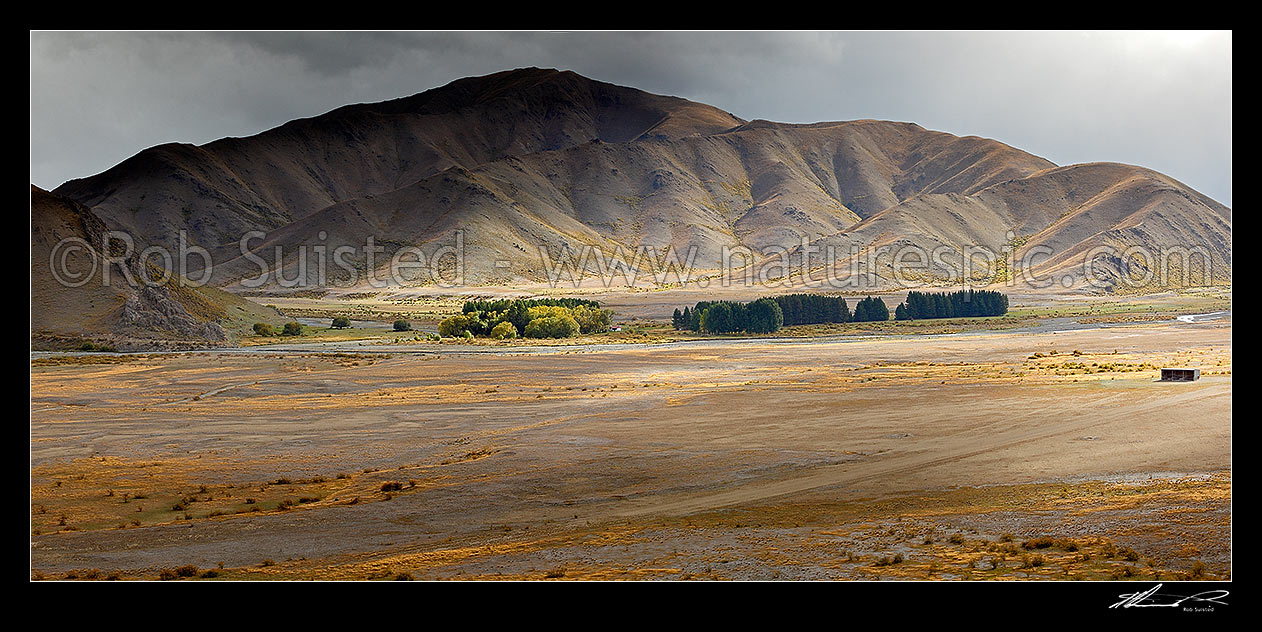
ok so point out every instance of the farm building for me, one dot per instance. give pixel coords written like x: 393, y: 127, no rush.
x: 1180, y: 375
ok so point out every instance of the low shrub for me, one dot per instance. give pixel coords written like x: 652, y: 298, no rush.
x: 453, y: 326
x: 88, y: 345
x: 889, y: 561
x: 1042, y: 542
x: 1031, y: 561
x: 504, y: 330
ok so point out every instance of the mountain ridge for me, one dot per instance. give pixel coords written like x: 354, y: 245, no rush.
x: 539, y: 157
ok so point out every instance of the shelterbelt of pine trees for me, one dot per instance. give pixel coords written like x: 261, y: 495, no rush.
x: 959, y: 304
x: 870, y: 309
x: 767, y: 315
x: 811, y: 309
x: 762, y: 316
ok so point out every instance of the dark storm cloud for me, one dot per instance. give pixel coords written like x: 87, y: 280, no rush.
x: 1161, y: 100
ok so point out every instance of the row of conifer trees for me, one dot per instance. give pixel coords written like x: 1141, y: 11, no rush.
x: 762, y: 316
x: 767, y: 315
x: 959, y: 304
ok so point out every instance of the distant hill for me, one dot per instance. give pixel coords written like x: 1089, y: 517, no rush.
x: 118, y: 314
x: 528, y: 158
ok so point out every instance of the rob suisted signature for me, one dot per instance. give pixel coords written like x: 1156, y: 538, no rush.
x: 1152, y: 599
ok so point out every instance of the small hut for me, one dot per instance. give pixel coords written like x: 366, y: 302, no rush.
x: 1180, y: 375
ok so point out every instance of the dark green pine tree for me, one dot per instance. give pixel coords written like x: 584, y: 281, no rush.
x: 717, y: 318
x: 763, y: 316
x: 518, y: 315
x: 694, y: 321
x: 900, y: 312
x: 878, y: 311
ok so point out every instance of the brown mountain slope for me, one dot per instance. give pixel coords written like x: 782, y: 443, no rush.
x: 220, y: 190
x: 126, y: 315
x: 759, y: 186
x: 1054, y: 219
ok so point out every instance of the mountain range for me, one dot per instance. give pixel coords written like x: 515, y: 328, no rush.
x: 504, y: 164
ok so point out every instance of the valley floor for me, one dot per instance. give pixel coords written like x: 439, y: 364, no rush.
x: 1001, y: 455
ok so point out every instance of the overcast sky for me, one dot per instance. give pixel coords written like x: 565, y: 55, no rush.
x: 1161, y: 100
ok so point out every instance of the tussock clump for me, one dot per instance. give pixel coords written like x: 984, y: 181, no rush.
x: 886, y: 560
x: 1043, y: 542
x: 1032, y: 561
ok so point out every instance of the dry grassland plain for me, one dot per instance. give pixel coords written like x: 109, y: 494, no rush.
x: 1021, y: 454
